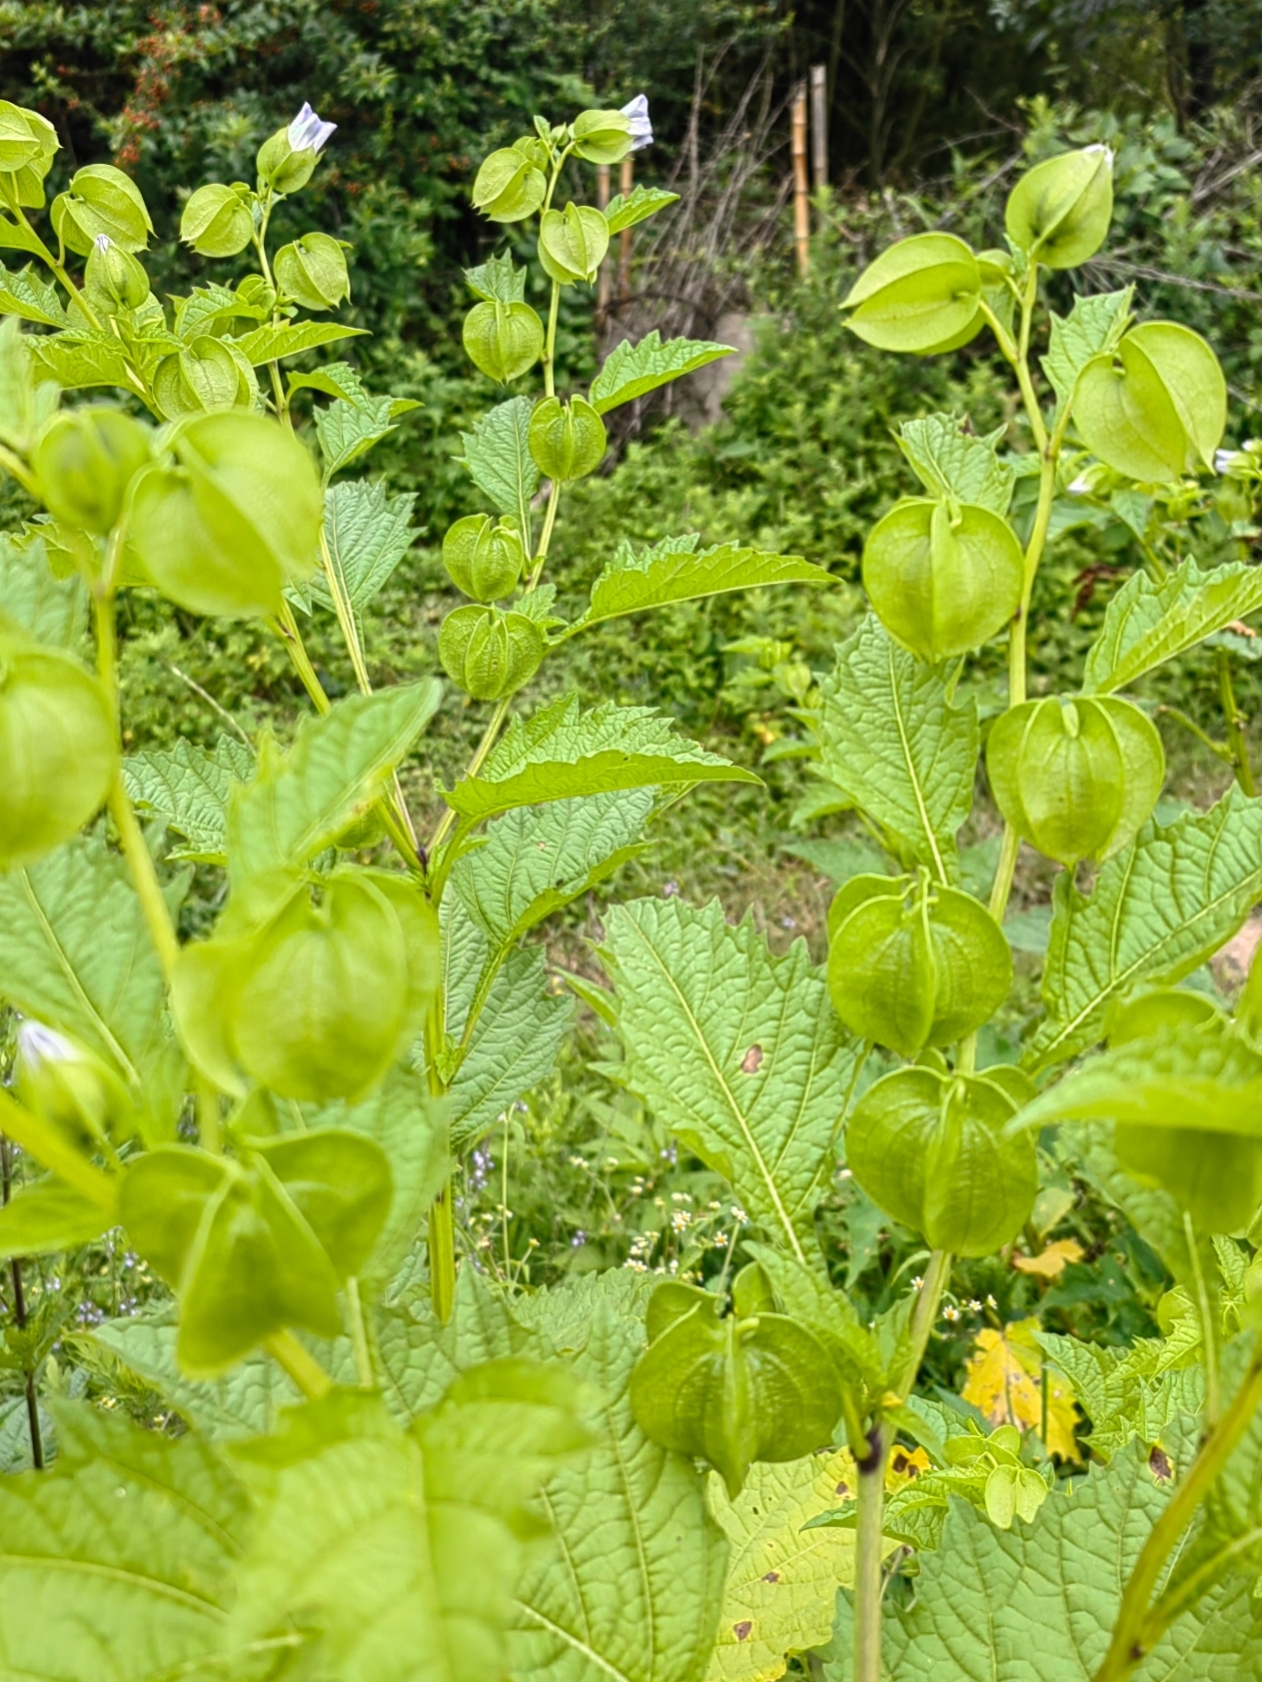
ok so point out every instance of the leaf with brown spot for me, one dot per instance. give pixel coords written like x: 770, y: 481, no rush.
x: 751, y: 1062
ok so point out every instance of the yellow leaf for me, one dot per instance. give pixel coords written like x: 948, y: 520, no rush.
x: 1051, y: 1263
x: 782, y: 1581
x: 1004, y: 1381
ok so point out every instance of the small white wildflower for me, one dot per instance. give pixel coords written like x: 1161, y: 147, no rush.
x: 307, y: 131
x: 1081, y: 486
x: 636, y: 111
x: 975, y: 1307
x: 950, y: 1313
x: 991, y: 1303
x: 918, y: 1283
x: 739, y: 1215
x: 1225, y: 460
x: 681, y: 1220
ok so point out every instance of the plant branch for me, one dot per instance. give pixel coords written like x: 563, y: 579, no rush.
x: 1130, y: 1643
x: 300, y: 1364
x: 19, y: 1315
x: 1235, y: 720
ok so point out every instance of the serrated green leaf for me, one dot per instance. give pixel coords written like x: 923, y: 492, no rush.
x: 1122, y: 1392
x: 498, y: 280
x: 949, y: 461
x: 534, y: 862
x: 1094, y: 325
x: 270, y: 344
x: 348, y: 430
x: 125, y: 1548
x: 368, y: 531
x: 18, y: 236
x: 497, y: 455
x: 780, y: 1596
x: 1158, y: 910
x: 76, y: 360
x: 46, y: 1217
x: 339, y: 379
x: 368, y: 1532
x: 189, y: 788
x: 54, y: 610
x: 560, y: 754
x: 1037, y: 1603
x: 736, y: 1052
x: 896, y: 746
x: 1147, y: 624
x: 674, y: 571
x: 630, y: 371
x: 25, y: 295
x: 624, y: 212
x: 206, y: 307
x: 507, y: 1022
x: 630, y: 1587
x: 299, y: 802
x: 78, y: 956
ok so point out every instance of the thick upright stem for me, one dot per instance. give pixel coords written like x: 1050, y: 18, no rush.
x: 1235, y: 721
x: 300, y: 1364
x: 1133, y: 1634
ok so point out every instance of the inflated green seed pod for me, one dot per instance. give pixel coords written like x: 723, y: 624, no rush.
x: 69, y: 1085
x: 943, y: 577
x: 573, y: 243
x: 489, y: 653
x: 101, y: 200
x: 931, y: 1150
x: 503, y: 341
x: 281, y: 165
x: 235, y: 520
x: 732, y: 1389
x: 510, y: 186
x: 602, y: 137
x: 85, y: 460
x: 322, y: 1000
x: 312, y: 271
x: 217, y: 220
x: 1059, y: 212
x: 1156, y: 407
x: 911, y: 964
x: 28, y: 144
x: 114, y: 278
x: 484, y: 559
x: 58, y: 748
x: 566, y: 440
x: 1076, y: 778
x: 211, y: 374
x: 921, y: 295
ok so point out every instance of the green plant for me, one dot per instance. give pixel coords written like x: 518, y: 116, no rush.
x: 386, y: 1466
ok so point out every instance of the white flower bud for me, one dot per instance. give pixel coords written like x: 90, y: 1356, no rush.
x: 637, y: 113
x: 308, y: 132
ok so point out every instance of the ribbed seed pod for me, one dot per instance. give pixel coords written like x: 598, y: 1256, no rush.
x: 489, y: 653
x: 931, y: 1150
x: 484, y: 559
x: 1076, y: 778
x: 911, y: 964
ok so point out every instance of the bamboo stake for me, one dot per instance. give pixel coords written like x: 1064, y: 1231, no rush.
x: 819, y: 125
x: 603, y: 281
x: 801, y: 183
x: 624, y: 250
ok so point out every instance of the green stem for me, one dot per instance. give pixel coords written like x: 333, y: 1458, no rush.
x: 1130, y: 1643
x: 1236, y: 738
x: 545, y: 536
x: 1205, y: 1314
x: 17, y: 469
x: 480, y: 754
x: 1220, y: 749
x: 871, y: 1508
x: 144, y: 877
x: 45, y: 255
x: 300, y: 1364
x: 550, y: 343
x: 1004, y: 872
x: 359, y: 1335
x: 442, y: 1255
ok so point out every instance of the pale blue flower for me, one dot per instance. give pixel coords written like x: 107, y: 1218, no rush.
x: 636, y: 111
x: 308, y: 132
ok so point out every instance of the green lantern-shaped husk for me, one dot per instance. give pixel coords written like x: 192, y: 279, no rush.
x: 217, y: 220
x: 257, y: 1245
x: 931, y: 1150
x: 753, y: 1385
x: 101, y: 200
x: 1076, y: 778
x: 489, y: 653
x: 28, y: 143
x: 485, y: 560
x: 510, y: 185
x: 602, y: 137
x: 921, y: 295
x: 911, y: 964
x: 572, y: 243
x: 1156, y: 408
x: 312, y: 271
x: 85, y: 461
x: 322, y: 1000
x: 58, y: 748
x: 566, y: 440
x: 235, y: 519
x: 503, y: 341
x: 113, y: 278
x: 211, y: 374
x: 1059, y: 213
x: 943, y: 577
